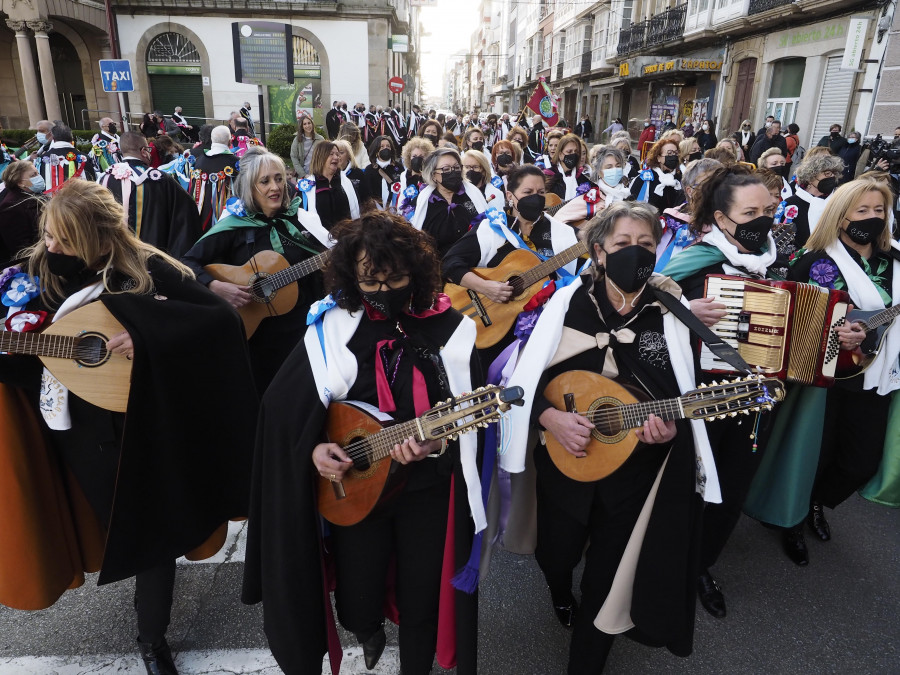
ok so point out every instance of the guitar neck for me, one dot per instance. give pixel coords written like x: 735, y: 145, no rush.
x: 36, y: 344
x: 299, y: 270
x: 381, y: 444
x: 882, y: 317
x: 634, y: 415
x: 550, y: 265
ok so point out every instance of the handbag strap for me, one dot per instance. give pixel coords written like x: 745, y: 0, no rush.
x: 716, y: 345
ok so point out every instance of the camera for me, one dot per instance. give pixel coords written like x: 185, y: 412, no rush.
x: 888, y: 150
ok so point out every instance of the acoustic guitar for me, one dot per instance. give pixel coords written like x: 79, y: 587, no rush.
x: 74, y: 350
x: 615, y: 410
x: 271, y: 280
x: 852, y: 363
x: 523, y: 270
x: 371, y: 482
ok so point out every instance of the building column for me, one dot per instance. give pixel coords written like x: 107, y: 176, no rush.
x: 45, y: 63
x: 29, y: 77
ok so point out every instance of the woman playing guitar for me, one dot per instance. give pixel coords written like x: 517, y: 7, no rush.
x: 610, y: 322
x: 388, y: 338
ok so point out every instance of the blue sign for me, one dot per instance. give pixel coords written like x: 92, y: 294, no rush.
x: 116, y: 75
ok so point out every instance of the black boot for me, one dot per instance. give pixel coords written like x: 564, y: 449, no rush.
x: 565, y: 606
x: 710, y: 594
x: 795, y: 545
x: 817, y: 522
x: 157, y: 658
x: 373, y: 647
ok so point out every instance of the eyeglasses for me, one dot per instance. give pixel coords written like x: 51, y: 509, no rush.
x: 448, y: 169
x: 391, y: 284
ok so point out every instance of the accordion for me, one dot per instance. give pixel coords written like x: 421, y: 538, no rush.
x: 783, y: 328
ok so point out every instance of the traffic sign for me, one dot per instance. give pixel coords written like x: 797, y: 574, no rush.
x: 116, y: 75
x: 396, y: 85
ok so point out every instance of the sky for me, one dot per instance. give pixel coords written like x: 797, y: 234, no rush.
x: 451, y: 24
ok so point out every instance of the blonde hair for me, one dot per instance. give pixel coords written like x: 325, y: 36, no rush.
x: 684, y: 148
x: 94, y: 226
x: 479, y: 158
x: 841, y: 201
x: 345, y: 146
x: 414, y: 143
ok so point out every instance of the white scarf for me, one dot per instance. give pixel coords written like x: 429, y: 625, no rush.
x: 816, y: 207
x: 347, y: 186
x: 218, y: 149
x: 615, y: 193
x: 538, y: 354
x: 494, y: 196
x: 562, y: 236
x: 745, y: 137
x: 665, y: 180
x: 54, y: 396
x: 334, y: 370
x: 571, y: 181
x: 755, y: 263
x: 884, y: 373
x: 472, y: 192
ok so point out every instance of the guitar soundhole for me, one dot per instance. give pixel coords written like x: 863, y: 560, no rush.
x: 362, y: 467
x: 90, y: 351
x: 261, y: 288
x: 604, y: 412
x: 517, y: 285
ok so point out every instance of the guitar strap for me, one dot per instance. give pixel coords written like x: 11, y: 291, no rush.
x: 716, y: 345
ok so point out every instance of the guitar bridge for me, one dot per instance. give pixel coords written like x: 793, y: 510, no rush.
x: 479, y: 308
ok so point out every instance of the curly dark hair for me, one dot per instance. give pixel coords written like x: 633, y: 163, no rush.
x: 716, y: 193
x: 390, y: 244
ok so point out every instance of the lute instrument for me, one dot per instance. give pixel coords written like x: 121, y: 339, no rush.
x: 615, y: 410
x: 359, y: 429
x: 525, y: 272
x: 74, y: 350
x: 271, y: 281
x: 877, y: 321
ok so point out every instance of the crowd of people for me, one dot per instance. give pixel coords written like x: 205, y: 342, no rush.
x: 364, y: 233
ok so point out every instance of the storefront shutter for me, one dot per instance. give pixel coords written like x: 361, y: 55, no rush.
x: 834, y: 99
x: 169, y: 91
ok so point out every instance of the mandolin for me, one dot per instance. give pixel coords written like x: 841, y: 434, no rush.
x: 271, y: 280
x: 525, y: 272
x: 615, y: 410
x: 851, y: 364
x: 358, y: 429
x: 74, y: 350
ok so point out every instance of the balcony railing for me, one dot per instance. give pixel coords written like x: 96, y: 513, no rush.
x: 758, y: 6
x: 662, y: 28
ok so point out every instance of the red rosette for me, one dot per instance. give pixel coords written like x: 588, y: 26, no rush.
x: 592, y: 196
x: 540, y: 297
x: 25, y: 321
x: 395, y: 188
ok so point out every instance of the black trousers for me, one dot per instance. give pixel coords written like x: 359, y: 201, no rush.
x: 571, y: 514
x: 412, y: 533
x: 736, y: 465
x: 852, y: 443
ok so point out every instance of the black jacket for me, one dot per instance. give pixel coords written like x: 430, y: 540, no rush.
x: 19, y: 213
x: 763, y: 143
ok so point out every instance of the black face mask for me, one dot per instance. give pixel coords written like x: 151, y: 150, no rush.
x: 671, y: 162
x: 827, y: 185
x: 865, y: 231
x: 385, y: 154
x: 695, y: 155
x: 474, y: 177
x: 835, y: 134
x: 416, y: 164
x: 504, y: 159
x: 65, y: 266
x: 433, y: 139
x: 112, y: 129
x: 390, y: 302
x: 531, y: 207
x: 753, y: 234
x: 452, y: 180
x: 570, y: 161
x: 630, y: 267
x: 478, y: 145
x: 781, y: 170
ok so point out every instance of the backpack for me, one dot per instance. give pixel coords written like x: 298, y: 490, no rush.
x: 798, y: 153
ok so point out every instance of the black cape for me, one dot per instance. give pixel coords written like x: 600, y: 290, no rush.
x: 284, y: 559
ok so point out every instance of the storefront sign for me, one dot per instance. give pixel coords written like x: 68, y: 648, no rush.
x: 662, y: 65
x: 856, y: 39
x: 700, y: 65
x: 811, y: 34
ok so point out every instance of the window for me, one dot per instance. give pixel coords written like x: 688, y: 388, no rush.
x: 599, y: 37
x: 172, y: 48
x: 548, y: 51
x: 784, y: 92
x: 627, y: 9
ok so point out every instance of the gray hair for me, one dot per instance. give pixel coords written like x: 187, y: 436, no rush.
x: 697, y: 168
x: 603, y: 224
x: 602, y: 154
x: 432, y: 160
x: 220, y: 134
x: 61, y: 132
x: 253, y: 163
x: 620, y: 134
x: 813, y: 165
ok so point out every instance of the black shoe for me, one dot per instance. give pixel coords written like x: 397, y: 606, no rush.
x: 157, y: 658
x: 817, y: 522
x: 566, y: 613
x: 373, y: 648
x: 795, y: 545
x: 711, y: 595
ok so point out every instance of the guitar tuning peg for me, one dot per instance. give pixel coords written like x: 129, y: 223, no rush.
x: 732, y: 414
x: 721, y: 417
x: 702, y: 385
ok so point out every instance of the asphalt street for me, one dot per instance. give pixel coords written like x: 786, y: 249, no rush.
x: 841, y: 614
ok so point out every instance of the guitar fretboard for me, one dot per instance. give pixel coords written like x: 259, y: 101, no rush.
x: 634, y: 415
x: 550, y: 265
x: 297, y: 271
x: 883, y: 317
x: 37, y: 344
x: 379, y: 445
